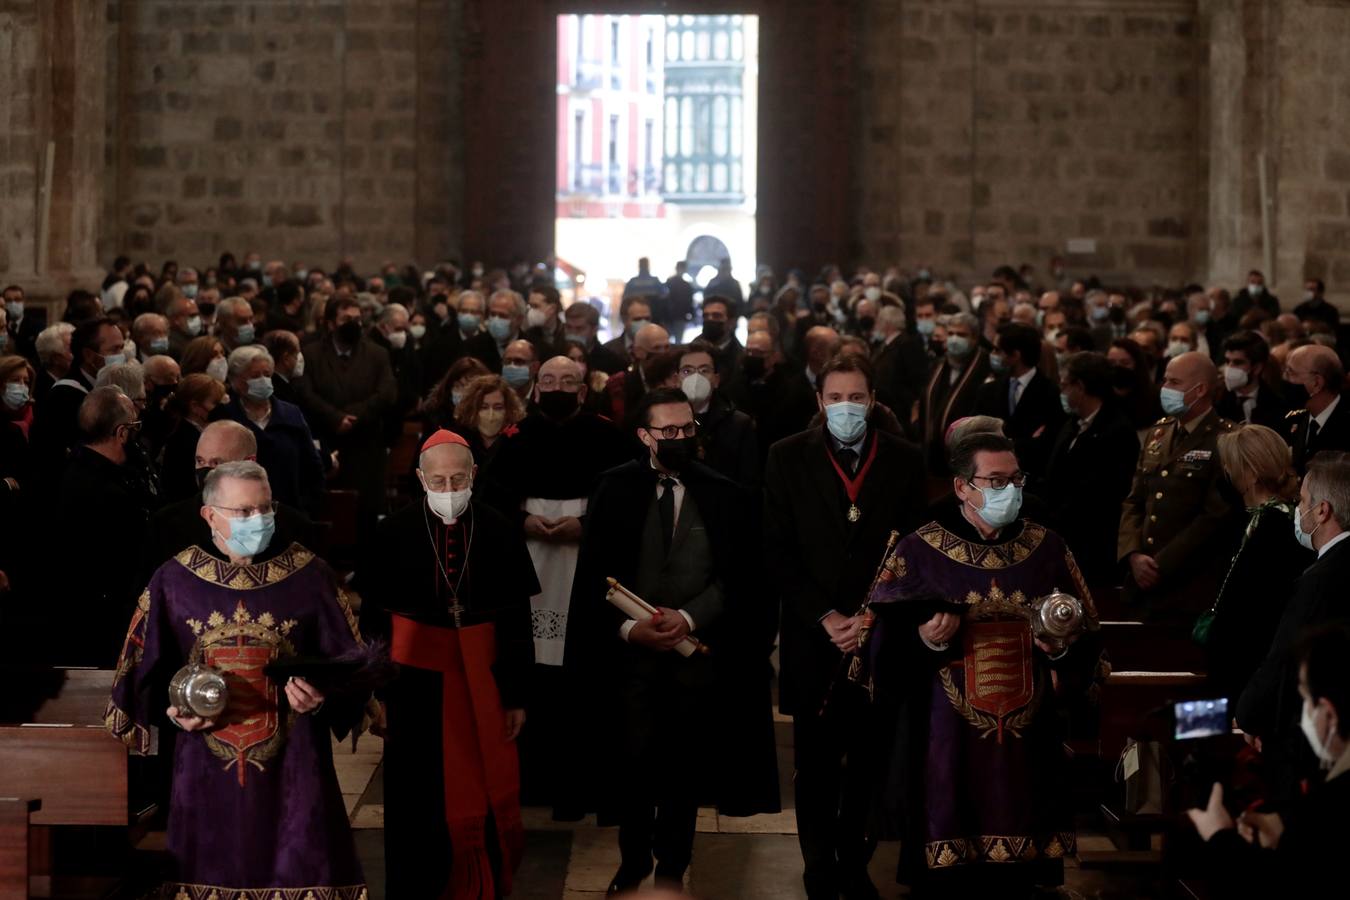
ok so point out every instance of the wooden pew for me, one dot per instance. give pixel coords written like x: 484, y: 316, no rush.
x: 15, y: 827
x: 53, y: 748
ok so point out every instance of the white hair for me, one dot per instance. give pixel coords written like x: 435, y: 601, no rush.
x: 128, y: 376
x: 145, y: 321
x: 52, y: 340
x: 892, y: 317
x: 242, y: 358
x: 516, y: 300
x: 232, y: 307
x: 246, y: 469
x: 387, y: 314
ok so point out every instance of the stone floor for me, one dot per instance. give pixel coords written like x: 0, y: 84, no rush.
x: 748, y: 859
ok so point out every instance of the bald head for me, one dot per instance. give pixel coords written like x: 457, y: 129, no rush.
x: 1195, y: 375
x: 650, y: 339
x: 225, y: 441
x: 162, y: 371
x: 821, y: 343
x: 1318, y: 369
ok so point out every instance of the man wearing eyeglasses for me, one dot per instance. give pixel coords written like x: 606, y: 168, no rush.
x: 727, y: 435
x: 448, y: 582
x: 978, y: 775
x: 255, y: 808
x: 672, y: 732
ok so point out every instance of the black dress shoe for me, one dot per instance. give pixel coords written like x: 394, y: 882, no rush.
x: 626, y: 880
x: 667, y: 881
x: 859, y: 887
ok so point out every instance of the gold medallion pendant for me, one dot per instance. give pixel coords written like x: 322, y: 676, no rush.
x: 854, y: 514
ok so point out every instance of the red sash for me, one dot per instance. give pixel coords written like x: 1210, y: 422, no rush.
x: 481, y: 768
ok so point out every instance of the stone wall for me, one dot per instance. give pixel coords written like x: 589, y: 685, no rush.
x: 312, y: 129
x: 994, y: 131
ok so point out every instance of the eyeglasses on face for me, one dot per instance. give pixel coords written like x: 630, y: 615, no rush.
x: 566, y: 382
x: 686, y: 371
x: 671, y: 432
x: 440, y: 484
x: 243, y: 512
x: 999, y: 482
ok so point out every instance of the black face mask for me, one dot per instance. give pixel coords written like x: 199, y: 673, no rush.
x: 1117, y: 314
x: 1122, y: 379
x: 207, y: 310
x: 1296, y: 395
x: 867, y: 323
x: 557, y: 404
x: 714, y: 331
x: 201, y: 476
x: 349, y: 333
x: 820, y: 307
x: 677, y: 453
x: 753, y: 367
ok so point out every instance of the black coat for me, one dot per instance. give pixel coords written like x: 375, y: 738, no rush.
x: 1259, y: 583
x: 1270, y: 409
x: 442, y: 346
x: 943, y: 403
x: 1335, y: 435
x: 1034, y: 425
x: 727, y: 436
x: 1271, y: 706
x: 1084, y: 485
x: 178, y: 463
x: 55, y: 432
x: 602, y: 358
x: 900, y: 371
x: 407, y: 366
x: 484, y: 348
x: 781, y: 404
x: 746, y: 781
x: 818, y: 560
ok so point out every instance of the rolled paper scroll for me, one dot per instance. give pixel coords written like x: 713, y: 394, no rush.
x: 634, y: 607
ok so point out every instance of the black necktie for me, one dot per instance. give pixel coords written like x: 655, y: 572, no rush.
x: 1313, y: 428
x: 848, y: 458
x: 666, y: 507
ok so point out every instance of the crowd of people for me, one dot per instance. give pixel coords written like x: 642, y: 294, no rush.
x: 1180, y: 451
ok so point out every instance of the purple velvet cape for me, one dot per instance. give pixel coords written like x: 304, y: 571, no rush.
x: 255, y: 801
x: 979, y: 777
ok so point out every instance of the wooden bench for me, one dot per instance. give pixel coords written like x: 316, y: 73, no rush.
x: 16, y: 826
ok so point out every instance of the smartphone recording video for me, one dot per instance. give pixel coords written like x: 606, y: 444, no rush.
x: 1201, y: 718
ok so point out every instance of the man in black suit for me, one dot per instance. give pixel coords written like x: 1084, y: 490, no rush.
x: 1091, y: 467
x: 1255, y: 294
x: 1026, y: 401
x: 683, y: 728
x: 832, y: 496
x: 1248, y: 397
x: 635, y: 313
x: 900, y: 363
x: 719, y: 331
x: 180, y: 525
x: 727, y: 435
x: 288, y: 364
x: 22, y: 326
x: 581, y: 321
x: 1313, y: 375
x: 1269, y: 709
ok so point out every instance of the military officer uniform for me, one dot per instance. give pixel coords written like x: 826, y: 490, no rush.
x: 1305, y: 440
x: 1176, y: 512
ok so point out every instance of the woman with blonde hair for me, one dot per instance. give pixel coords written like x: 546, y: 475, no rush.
x: 1237, y: 631
x: 205, y: 354
x: 486, y: 414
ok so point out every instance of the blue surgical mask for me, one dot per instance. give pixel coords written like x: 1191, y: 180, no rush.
x: 159, y: 345
x: 636, y: 325
x: 469, y: 322
x: 958, y: 347
x: 1202, y: 317
x: 194, y: 325
x: 16, y: 395
x: 1001, y: 505
x: 1173, y: 401
x: 997, y: 362
x: 267, y: 281
x: 578, y: 339
x: 516, y: 376
x: 926, y: 326
x: 250, y: 535
x: 499, y: 328
x: 1064, y: 402
x: 846, y: 421
x: 14, y: 309
x: 1304, y: 538
x: 190, y: 291
x: 260, y: 388
x: 114, y: 359
x: 244, y: 335
x: 1099, y: 313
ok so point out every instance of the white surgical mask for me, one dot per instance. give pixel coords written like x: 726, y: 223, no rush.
x: 449, y: 505
x: 299, y: 369
x: 1320, y: 747
x: 872, y: 293
x: 194, y: 325
x: 697, y: 388
x: 398, y: 339
x: 536, y: 318
x: 1234, y: 378
x: 419, y: 331
x: 218, y: 368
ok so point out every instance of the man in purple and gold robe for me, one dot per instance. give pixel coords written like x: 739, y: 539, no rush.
x: 255, y: 805
x: 979, y: 780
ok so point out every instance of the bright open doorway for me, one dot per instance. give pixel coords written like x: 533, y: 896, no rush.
x: 656, y: 150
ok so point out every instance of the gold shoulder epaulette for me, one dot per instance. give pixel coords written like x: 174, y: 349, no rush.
x: 1163, y: 421
x: 1294, y: 412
